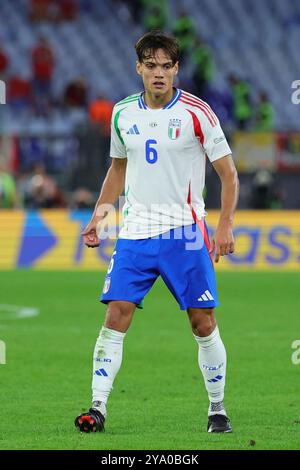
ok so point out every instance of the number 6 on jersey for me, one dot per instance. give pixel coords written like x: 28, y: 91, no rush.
x: 151, y: 152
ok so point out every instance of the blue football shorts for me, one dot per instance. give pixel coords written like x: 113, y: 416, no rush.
x: 181, y: 257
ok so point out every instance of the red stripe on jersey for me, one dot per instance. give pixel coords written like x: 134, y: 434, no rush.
x: 203, y: 105
x: 200, y: 224
x: 197, y: 127
x: 201, y: 102
x: 187, y: 101
x: 196, y: 98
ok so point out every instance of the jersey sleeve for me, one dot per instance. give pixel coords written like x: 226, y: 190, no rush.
x: 213, y: 140
x: 117, y: 147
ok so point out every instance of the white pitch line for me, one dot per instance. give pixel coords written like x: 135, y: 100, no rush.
x: 13, y: 312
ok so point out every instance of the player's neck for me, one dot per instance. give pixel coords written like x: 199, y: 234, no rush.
x: 153, y: 101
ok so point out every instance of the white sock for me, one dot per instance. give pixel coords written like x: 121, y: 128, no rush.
x: 216, y: 408
x: 107, y: 361
x: 212, y: 363
x: 100, y: 406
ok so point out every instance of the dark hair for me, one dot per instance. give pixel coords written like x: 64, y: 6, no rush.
x: 156, y: 39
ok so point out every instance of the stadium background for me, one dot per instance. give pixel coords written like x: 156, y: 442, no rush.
x: 65, y: 63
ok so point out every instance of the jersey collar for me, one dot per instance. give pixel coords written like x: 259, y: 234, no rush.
x: 170, y: 104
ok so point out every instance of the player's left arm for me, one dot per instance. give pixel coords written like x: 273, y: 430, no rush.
x: 223, y: 241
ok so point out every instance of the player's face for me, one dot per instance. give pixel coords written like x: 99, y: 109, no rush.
x: 157, y: 72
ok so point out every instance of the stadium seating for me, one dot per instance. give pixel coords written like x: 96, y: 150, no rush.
x: 256, y: 39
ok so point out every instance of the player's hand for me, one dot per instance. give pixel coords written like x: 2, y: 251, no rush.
x: 222, y: 242
x: 90, y: 236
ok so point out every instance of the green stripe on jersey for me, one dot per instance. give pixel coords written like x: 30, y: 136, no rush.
x: 126, y: 197
x: 116, y: 120
x: 129, y: 99
x: 135, y: 95
x: 126, y: 102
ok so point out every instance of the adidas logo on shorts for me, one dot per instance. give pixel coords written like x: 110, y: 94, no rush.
x: 205, y: 297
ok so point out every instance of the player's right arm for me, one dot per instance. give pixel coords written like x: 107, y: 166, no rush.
x: 112, y: 188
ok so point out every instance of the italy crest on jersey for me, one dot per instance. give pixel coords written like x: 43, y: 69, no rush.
x: 174, y: 128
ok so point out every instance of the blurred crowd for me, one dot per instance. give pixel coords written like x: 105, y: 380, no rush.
x: 246, y: 107
x: 242, y: 106
x: 36, y: 189
x: 36, y: 92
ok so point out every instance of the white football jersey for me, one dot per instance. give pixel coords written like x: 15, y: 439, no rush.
x: 166, y: 151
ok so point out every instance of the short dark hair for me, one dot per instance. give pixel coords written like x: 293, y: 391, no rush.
x: 157, y: 39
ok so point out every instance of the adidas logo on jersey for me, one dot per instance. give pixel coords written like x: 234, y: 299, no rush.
x: 206, y: 296
x: 133, y: 130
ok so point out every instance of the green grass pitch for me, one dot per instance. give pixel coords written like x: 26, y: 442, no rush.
x: 159, y: 400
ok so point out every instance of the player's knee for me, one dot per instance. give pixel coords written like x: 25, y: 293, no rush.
x: 119, y: 315
x: 203, y: 321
